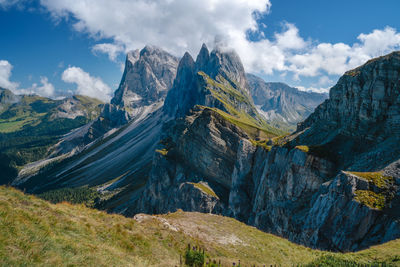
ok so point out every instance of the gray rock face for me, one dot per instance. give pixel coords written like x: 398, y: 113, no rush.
x: 364, y: 103
x: 301, y: 193
x: 7, y: 97
x: 147, y: 77
x: 215, y: 79
x: 75, y: 106
x: 283, y: 106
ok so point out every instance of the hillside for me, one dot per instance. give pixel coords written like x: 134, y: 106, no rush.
x: 35, y: 232
x: 31, y: 124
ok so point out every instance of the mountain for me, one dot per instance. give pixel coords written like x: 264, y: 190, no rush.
x: 318, y: 186
x: 7, y: 98
x: 147, y: 77
x: 65, y: 235
x: 30, y: 125
x: 118, y: 163
x: 115, y: 151
x: 283, y: 106
x: 333, y: 184
x: 215, y: 79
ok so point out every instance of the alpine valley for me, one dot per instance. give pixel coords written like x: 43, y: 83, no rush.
x: 188, y: 142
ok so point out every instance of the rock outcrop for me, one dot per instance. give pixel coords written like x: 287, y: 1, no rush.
x: 7, y: 98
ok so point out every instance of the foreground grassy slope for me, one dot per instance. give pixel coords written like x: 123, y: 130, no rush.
x: 35, y: 232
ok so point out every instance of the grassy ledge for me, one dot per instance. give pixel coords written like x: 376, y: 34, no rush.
x: 370, y: 199
x: 376, y: 178
x: 163, y: 151
x: 205, y: 188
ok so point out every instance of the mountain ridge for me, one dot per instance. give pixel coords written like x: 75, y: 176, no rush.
x: 283, y: 106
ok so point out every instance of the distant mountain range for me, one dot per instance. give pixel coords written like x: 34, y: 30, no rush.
x: 30, y: 125
x: 201, y: 135
x: 283, y: 106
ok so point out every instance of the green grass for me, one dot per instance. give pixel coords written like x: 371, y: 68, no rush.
x: 370, y: 199
x: 261, y: 143
x: 18, y: 122
x: 79, y: 195
x: 205, y: 188
x: 233, y: 101
x: 376, y: 178
x: 163, y: 151
x: 35, y: 232
x: 305, y: 149
x: 250, y: 128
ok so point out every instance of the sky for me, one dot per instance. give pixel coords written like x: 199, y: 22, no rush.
x: 58, y: 47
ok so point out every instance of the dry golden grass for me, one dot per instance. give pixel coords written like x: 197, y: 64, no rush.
x: 37, y: 233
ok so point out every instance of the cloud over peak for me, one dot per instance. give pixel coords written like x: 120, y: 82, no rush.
x: 183, y: 25
x: 86, y: 84
x: 5, y: 75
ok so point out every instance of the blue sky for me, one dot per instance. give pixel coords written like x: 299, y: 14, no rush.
x: 52, y: 47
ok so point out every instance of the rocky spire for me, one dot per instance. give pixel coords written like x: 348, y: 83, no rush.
x: 179, y: 98
x: 227, y: 63
x: 193, y: 84
x: 147, y: 77
x: 203, y: 58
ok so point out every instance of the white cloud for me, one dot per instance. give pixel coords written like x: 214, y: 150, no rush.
x: 46, y: 89
x: 112, y: 50
x: 177, y: 25
x: 5, y: 74
x: 313, y: 89
x: 183, y: 25
x: 86, y: 84
x: 324, y: 80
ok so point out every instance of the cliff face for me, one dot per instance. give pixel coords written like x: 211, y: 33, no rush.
x: 325, y: 186
x: 215, y: 79
x: 147, y: 77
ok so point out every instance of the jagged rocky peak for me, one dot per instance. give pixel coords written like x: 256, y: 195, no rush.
x: 365, y: 103
x: 215, y: 79
x: 227, y: 62
x: 203, y: 58
x: 147, y: 77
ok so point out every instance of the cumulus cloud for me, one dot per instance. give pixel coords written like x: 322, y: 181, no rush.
x: 5, y: 75
x: 112, y: 50
x: 46, y: 89
x: 321, y: 90
x: 182, y: 25
x: 87, y: 84
x: 177, y: 25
